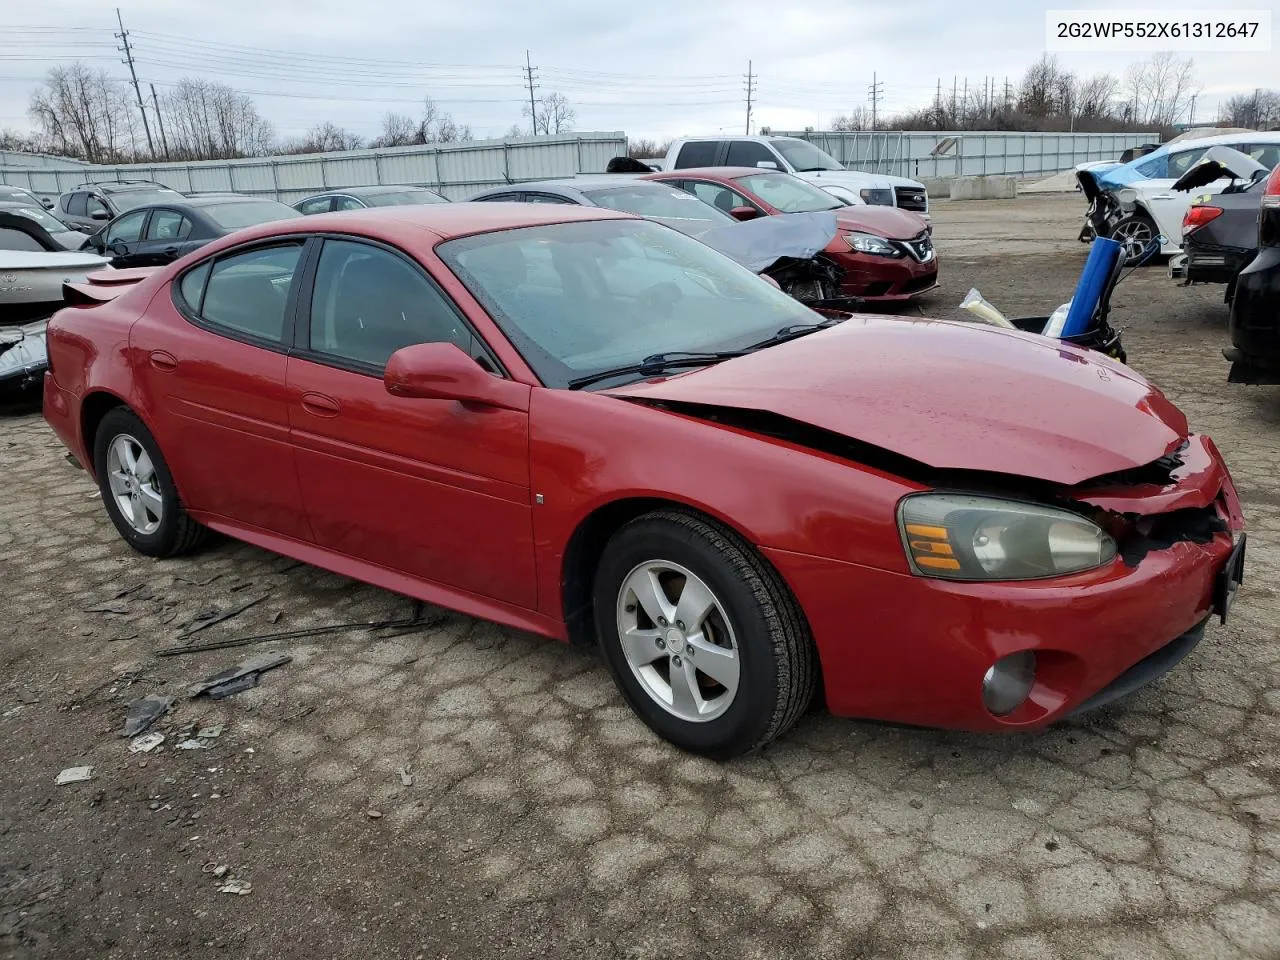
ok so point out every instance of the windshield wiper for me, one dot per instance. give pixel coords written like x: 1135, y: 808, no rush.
x: 795, y: 330
x: 657, y: 363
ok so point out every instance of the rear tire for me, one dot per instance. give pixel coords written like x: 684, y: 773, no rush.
x: 138, y: 490
x: 701, y: 635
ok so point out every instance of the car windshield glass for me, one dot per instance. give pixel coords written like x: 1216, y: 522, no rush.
x: 233, y: 216
x: 668, y: 205
x: 50, y: 223
x: 580, y: 298
x: 788, y: 194
x: 128, y: 199
x: 400, y: 197
x: 805, y: 156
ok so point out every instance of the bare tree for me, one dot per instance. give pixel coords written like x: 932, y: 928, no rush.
x: 434, y: 126
x: 1096, y: 96
x: 82, y: 113
x: 325, y: 138
x: 859, y: 118
x: 1160, y: 90
x: 1047, y: 88
x: 514, y: 131
x: 398, y: 130
x: 210, y: 121
x: 1259, y: 110
x: 641, y: 148
x: 553, y: 115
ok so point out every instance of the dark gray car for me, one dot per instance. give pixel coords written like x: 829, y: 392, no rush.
x: 359, y: 198
x: 90, y: 205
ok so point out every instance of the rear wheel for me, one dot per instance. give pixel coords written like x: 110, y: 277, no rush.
x: 703, y: 639
x: 138, y: 490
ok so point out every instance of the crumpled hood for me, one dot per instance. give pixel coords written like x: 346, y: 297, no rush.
x: 759, y: 244
x: 888, y: 222
x: 949, y: 395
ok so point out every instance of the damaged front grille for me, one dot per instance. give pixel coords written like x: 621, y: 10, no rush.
x: 919, y: 248
x: 1158, y: 473
x: 1163, y: 530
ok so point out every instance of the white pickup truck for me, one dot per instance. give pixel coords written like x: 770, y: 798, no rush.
x: 804, y: 160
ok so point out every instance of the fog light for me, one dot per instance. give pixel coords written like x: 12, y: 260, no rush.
x: 1008, y: 682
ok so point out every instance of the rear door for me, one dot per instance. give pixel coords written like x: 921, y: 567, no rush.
x: 430, y: 488
x: 210, y: 365
x: 698, y: 153
x: 167, y: 237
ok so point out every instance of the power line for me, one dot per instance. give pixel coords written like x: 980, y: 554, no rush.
x: 123, y: 35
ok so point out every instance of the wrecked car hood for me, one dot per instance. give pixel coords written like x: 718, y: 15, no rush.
x: 1219, y: 163
x: 759, y: 244
x: 948, y: 395
x: 888, y: 222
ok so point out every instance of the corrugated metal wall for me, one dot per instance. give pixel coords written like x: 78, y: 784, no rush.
x: 455, y: 170
x: 39, y: 161
x: 969, y: 153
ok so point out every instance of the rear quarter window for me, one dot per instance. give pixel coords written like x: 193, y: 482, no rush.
x: 191, y: 287
x: 698, y: 153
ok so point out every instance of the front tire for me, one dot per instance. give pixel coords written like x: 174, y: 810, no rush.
x: 1134, y: 232
x: 701, y: 635
x: 138, y: 490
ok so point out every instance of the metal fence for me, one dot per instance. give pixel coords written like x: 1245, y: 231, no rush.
x: 956, y: 153
x: 455, y: 170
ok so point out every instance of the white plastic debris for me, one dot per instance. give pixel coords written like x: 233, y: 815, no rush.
x: 74, y: 775
x: 406, y: 778
x: 238, y: 887
x: 983, y: 310
x: 146, y: 743
x: 211, y: 732
x: 192, y: 745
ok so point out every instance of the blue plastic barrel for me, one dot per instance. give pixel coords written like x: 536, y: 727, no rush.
x: 1097, y: 272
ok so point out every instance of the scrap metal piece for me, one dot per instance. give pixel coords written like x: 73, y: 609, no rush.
x: 74, y: 775
x: 144, y: 712
x: 203, y: 623
x: 146, y: 743
x: 221, y: 684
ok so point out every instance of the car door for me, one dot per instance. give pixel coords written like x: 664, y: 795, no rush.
x: 344, y: 202
x: 431, y: 488
x: 75, y: 208
x: 210, y: 363
x: 122, y: 240
x: 167, y: 237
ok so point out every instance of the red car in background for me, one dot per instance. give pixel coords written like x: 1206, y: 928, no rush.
x: 592, y: 427
x: 886, y: 253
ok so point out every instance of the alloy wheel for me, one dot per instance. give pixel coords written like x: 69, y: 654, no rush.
x: 1133, y: 236
x: 135, y: 486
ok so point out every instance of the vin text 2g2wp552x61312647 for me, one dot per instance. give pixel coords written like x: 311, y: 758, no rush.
x: 590, y: 426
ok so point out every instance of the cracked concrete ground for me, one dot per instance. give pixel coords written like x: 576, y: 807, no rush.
x: 464, y: 790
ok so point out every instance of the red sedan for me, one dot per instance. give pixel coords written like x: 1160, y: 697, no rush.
x: 886, y: 253
x: 594, y: 428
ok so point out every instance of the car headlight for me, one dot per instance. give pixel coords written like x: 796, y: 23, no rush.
x: 967, y: 537
x: 870, y: 243
x: 880, y: 197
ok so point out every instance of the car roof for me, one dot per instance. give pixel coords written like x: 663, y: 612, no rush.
x: 761, y: 138
x: 718, y: 173
x: 443, y: 221
x: 208, y: 201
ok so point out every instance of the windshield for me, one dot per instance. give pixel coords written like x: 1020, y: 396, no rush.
x: 675, y: 208
x: 789, y: 194
x: 400, y: 197
x: 50, y: 223
x: 804, y: 156
x: 233, y: 216
x: 579, y: 298
x: 128, y: 199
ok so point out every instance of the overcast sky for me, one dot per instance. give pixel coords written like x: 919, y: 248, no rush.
x: 651, y: 70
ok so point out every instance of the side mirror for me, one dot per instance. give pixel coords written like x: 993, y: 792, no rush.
x: 46, y: 203
x: 100, y: 215
x: 120, y: 248
x: 441, y: 371
x: 744, y: 213
x: 766, y: 165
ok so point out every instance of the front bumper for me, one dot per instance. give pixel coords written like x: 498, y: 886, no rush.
x: 914, y: 650
x: 22, y: 364
x: 875, y: 278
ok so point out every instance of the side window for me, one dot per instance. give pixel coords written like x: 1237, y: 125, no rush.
x: 316, y: 205
x: 94, y: 205
x: 1154, y: 169
x: 502, y: 198
x: 11, y: 239
x: 168, y: 225
x: 76, y: 204
x: 191, y: 286
x: 368, y: 303
x: 347, y: 203
x: 126, y: 229
x: 718, y: 195
x: 545, y: 198
x: 1267, y: 154
x: 1180, y: 163
x: 698, y: 153
x: 247, y: 292
x: 747, y: 153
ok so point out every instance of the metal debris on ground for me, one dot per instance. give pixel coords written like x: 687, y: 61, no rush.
x: 146, y: 743
x: 116, y: 608
x: 218, y: 870
x: 211, y: 732
x: 238, y: 887
x: 409, y: 624
x: 406, y: 778
x: 193, y: 745
x: 144, y: 712
x: 373, y: 814
x: 238, y: 678
x: 74, y: 775
x: 204, y: 622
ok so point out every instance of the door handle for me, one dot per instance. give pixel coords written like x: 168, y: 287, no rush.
x: 170, y: 251
x: 163, y: 361
x: 1164, y: 196
x: 318, y: 405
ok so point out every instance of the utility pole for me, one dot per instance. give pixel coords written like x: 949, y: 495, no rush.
x: 937, y: 106
x: 964, y: 103
x: 529, y: 77
x: 876, y: 93
x: 751, y: 90
x: 155, y: 102
x: 1193, y: 110
x: 123, y: 35
x: 955, y: 87
x: 1008, y: 95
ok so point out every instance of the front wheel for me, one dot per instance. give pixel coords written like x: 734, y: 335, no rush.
x: 138, y: 490
x: 1134, y: 233
x: 702, y: 637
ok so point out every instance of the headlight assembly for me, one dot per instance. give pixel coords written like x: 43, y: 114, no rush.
x: 881, y: 197
x: 967, y: 537
x: 870, y: 243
